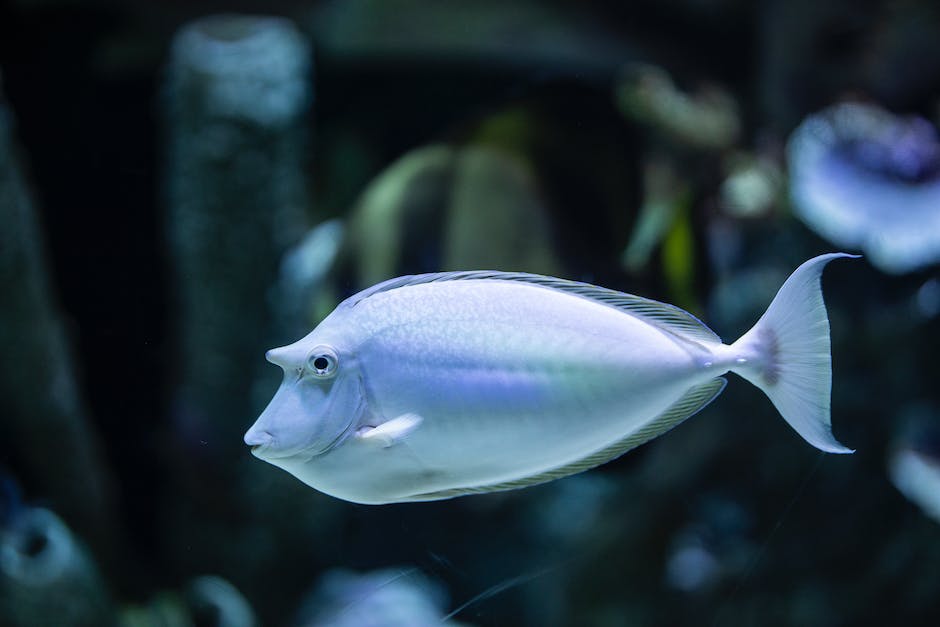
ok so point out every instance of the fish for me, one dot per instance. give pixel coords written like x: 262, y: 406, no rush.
x: 434, y: 386
x: 914, y: 463
x: 916, y: 475
x: 863, y: 177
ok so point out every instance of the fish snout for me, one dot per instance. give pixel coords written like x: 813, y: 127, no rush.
x: 258, y: 440
x: 280, y: 356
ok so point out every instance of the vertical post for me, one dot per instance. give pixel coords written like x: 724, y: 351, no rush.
x: 237, y: 94
x: 44, y: 426
x: 236, y: 99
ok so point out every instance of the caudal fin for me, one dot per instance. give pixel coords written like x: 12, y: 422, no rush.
x: 786, y: 354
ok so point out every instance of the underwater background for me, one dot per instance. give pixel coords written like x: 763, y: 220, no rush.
x: 184, y: 185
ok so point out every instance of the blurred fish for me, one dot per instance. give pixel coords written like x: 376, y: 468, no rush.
x: 917, y: 476
x: 713, y: 546
x: 205, y: 600
x: 47, y: 574
x: 705, y: 120
x: 215, y: 601
x: 863, y: 177
x: 437, y: 385
x: 302, y: 280
x: 390, y: 597
x: 914, y: 467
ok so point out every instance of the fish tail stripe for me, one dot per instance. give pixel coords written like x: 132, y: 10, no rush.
x: 787, y: 355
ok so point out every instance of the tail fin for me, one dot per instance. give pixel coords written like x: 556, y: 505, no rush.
x: 786, y: 354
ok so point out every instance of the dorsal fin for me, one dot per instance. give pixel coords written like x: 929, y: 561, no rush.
x: 691, y: 402
x: 667, y: 317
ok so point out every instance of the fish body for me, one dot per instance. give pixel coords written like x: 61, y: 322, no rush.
x: 439, y: 385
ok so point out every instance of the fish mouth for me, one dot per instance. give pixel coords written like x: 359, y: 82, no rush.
x: 258, y: 441
x: 269, y: 452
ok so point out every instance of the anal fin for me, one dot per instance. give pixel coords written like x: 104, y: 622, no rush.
x: 689, y: 404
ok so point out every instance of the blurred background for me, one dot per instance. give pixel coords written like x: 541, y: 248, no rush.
x: 184, y: 185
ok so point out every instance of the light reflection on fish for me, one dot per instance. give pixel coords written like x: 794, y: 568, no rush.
x: 437, y: 385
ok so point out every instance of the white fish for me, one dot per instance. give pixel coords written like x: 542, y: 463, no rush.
x: 917, y: 476
x: 862, y: 177
x: 437, y: 385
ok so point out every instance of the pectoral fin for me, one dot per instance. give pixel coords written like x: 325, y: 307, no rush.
x: 390, y: 432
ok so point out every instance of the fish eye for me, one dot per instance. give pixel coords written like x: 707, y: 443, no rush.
x: 322, y: 362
